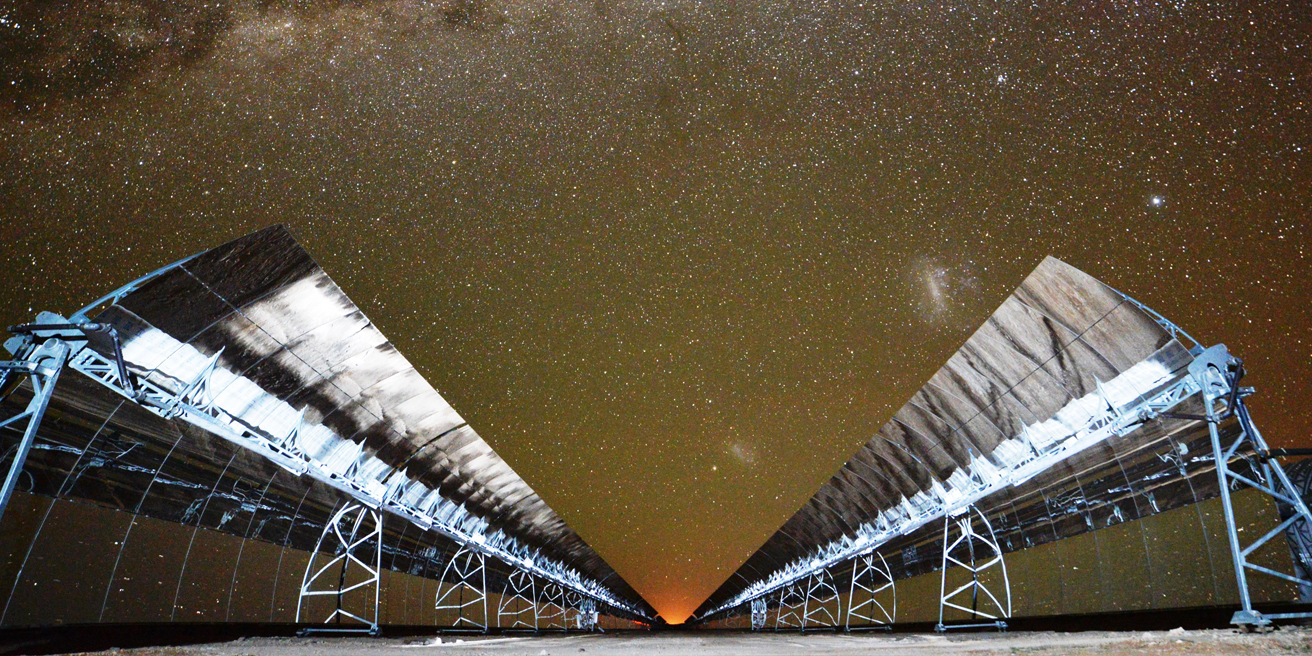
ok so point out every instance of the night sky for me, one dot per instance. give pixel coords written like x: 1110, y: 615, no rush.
x: 676, y: 260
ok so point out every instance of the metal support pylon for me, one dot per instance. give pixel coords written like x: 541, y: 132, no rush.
x: 968, y: 544
x: 520, y: 598
x: 791, y: 601
x: 872, y: 581
x: 41, y: 364
x: 1218, y: 375
x: 354, y: 528
x: 468, y: 591
x: 759, y: 612
x: 821, y: 592
x: 551, y: 607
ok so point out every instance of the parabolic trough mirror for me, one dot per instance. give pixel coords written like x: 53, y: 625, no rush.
x: 1062, y: 462
x: 229, y: 439
x: 234, y: 441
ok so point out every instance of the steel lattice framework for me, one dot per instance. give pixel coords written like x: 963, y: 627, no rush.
x: 976, y: 552
x: 873, y: 580
x: 354, y: 529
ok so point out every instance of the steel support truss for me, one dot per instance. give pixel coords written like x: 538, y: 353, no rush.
x: 792, y: 603
x: 872, y: 582
x: 518, y: 601
x: 759, y: 613
x: 354, y: 528
x: 976, y: 552
x: 1218, y: 374
x: 981, y: 484
x: 463, y: 587
x: 552, y: 607
x: 821, y: 607
x: 41, y: 364
x: 42, y: 350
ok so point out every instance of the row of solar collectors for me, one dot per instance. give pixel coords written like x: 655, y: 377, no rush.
x: 1132, y: 524
x: 122, y: 516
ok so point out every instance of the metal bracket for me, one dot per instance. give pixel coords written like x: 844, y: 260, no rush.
x: 880, y: 577
x: 469, y: 568
x: 364, y: 531
x: 970, y: 540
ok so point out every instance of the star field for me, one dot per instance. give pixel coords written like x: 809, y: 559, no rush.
x: 677, y: 260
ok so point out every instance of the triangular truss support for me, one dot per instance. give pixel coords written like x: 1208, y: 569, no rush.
x: 552, y: 606
x: 977, y: 552
x: 821, y: 609
x: 463, y: 588
x: 588, y: 615
x: 759, y: 613
x: 792, y: 603
x: 41, y: 364
x: 518, y: 608
x: 873, y: 584
x: 354, y: 530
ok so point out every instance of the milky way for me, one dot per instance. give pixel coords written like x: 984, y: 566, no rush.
x: 675, y: 260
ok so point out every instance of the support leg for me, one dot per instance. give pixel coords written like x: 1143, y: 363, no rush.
x: 519, y: 596
x: 875, y: 579
x: 1218, y: 375
x: 353, y: 531
x: 973, y: 543
x: 465, y: 572
x: 43, y: 367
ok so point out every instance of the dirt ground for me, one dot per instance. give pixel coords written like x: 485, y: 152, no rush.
x: 1221, y: 642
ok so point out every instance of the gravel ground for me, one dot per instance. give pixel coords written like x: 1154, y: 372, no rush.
x: 1221, y: 642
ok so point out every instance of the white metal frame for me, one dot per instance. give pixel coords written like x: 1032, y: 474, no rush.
x: 821, y: 591
x: 588, y: 616
x: 42, y: 365
x: 760, y: 613
x: 470, y: 569
x: 573, y: 612
x: 971, y: 539
x: 791, y: 601
x: 356, y: 516
x: 551, y: 607
x: 880, y: 576
x: 520, y: 593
